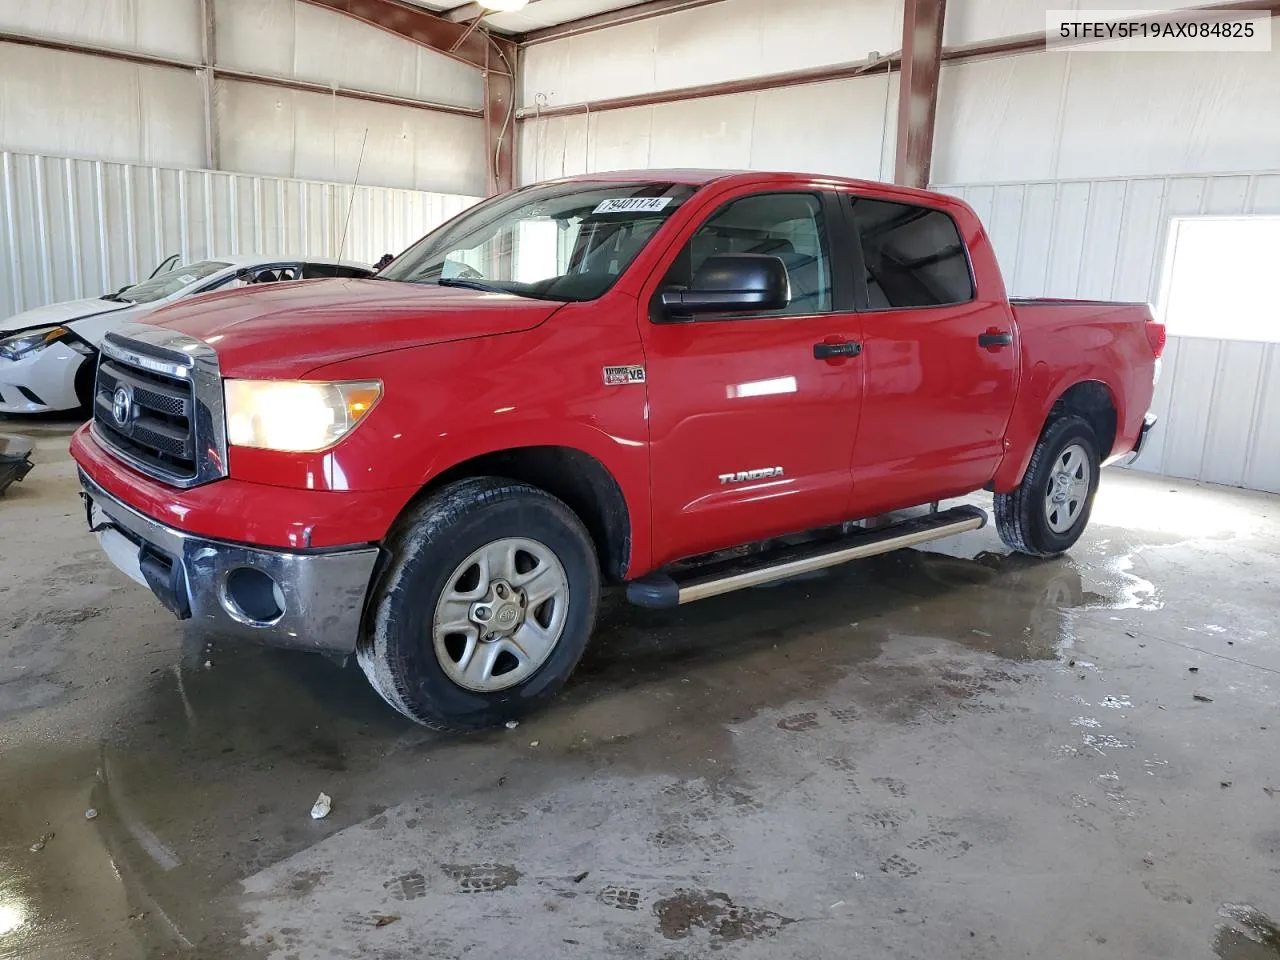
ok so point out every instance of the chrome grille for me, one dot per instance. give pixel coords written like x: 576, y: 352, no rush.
x: 157, y: 427
x: 158, y: 405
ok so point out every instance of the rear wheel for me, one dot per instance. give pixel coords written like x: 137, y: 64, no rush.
x: 485, y: 608
x: 1050, y: 509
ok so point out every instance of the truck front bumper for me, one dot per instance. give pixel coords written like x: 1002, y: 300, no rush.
x: 304, y: 600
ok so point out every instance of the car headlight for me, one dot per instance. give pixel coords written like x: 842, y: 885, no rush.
x: 29, y: 341
x: 295, y: 416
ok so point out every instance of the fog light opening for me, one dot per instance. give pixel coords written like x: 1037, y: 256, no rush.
x: 253, y: 597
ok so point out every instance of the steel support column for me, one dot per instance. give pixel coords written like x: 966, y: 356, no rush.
x: 209, y: 60
x: 500, y: 114
x: 922, y: 22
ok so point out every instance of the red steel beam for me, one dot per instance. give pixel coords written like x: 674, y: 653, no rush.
x: 421, y: 26
x: 226, y: 73
x: 772, y: 81
x: 500, y: 115
x: 922, y: 22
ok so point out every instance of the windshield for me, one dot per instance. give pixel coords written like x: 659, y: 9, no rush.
x: 565, y: 241
x: 167, y: 284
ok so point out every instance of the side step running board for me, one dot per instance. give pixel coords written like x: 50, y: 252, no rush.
x: 663, y: 590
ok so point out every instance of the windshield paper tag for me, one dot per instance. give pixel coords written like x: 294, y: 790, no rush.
x: 633, y: 205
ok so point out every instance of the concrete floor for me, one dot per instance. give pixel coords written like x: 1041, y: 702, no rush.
x: 934, y: 754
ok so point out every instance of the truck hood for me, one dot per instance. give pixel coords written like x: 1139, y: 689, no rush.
x: 282, y: 331
x: 58, y: 314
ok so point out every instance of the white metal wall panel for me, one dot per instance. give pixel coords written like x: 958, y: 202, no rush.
x: 75, y: 228
x: 1060, y: 116
x: 969, y: 21
x: 785, y: 129
x: 70, y: 103
x: 169, y: 28
x: 286, y: 38
x: 721, y: 42
x: 1218, y: 400
x: 315, y: 136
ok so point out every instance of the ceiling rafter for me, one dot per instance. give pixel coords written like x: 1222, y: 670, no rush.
x: 455, y: 40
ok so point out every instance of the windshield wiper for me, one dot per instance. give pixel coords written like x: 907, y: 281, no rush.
x: 469, y: 284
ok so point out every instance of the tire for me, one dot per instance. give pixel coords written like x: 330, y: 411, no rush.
x: 420, y: 667
x: 1026, y: 520
x: 85, y: 377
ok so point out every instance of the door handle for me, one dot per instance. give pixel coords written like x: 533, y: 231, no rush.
x: 830, y: 351
x: 995, y: 339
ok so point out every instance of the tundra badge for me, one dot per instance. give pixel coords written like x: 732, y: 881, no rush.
x: 620, y: 376
x: 746, y: 476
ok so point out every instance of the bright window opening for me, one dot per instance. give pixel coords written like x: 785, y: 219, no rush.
x: 1219, y: 278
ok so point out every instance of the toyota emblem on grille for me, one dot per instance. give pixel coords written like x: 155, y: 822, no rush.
x: 121, y: 405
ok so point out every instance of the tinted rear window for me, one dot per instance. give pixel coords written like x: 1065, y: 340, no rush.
x: 914, y: 256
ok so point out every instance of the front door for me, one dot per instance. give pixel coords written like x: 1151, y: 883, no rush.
x: 940, y: 361
x: 751, y: 428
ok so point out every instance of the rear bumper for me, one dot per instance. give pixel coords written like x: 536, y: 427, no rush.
x: 309, y: 600
x: 1148, y: 423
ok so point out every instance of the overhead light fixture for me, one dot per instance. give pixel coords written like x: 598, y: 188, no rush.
x: 504, y: 6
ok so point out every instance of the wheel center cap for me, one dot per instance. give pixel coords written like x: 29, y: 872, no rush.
x: 506, y: 615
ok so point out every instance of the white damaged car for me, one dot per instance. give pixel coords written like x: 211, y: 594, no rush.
x: 48, y: 356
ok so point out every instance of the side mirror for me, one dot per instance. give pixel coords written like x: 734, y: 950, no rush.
x: 742, y: 282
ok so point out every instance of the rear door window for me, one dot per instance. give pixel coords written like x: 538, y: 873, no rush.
x: 914, y: 256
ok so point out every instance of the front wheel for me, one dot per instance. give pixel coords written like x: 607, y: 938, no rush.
x: 1049, y: 510
x: 485, y: 608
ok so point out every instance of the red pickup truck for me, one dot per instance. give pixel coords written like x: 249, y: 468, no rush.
x: 687, y: 382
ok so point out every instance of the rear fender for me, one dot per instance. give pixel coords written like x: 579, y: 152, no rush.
x: 1034, y: 411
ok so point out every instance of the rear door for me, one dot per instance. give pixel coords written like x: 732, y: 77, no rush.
x: 751, y: 432
x: 940, y: 358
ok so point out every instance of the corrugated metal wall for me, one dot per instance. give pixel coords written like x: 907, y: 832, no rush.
x: 82, y: 105
x: 785, y: 129
x: 1218, y: 400
x: 710, y: 44
x: 76, y: 228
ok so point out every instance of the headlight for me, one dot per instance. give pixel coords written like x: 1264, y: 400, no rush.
x: 296, y: 416
x: 17, y: 347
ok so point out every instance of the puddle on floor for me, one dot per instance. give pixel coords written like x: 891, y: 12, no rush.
x: 207, y: 775
x: 1250, y: 934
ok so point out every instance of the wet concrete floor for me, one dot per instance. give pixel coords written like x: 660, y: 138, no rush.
x: 940, y: 753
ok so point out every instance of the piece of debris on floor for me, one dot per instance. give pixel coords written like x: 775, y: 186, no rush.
x: 512, y: 724
x: 15, y: 459
x: 1202, y: 698
x: 1193, y: 669
x: 1224, y: 784
x: 90, y: 813
x: 320, y: 809
x: 39, y: 844
x: 385, y: 919
x: 1271, y: 791
x: 582, y: 876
